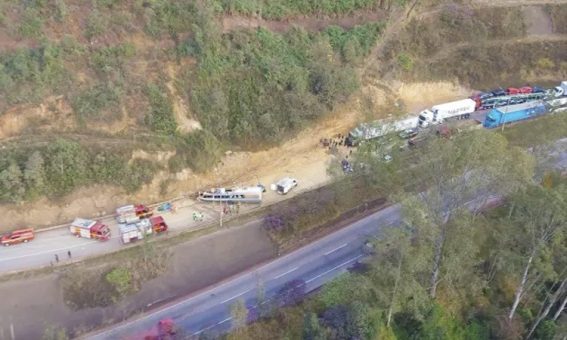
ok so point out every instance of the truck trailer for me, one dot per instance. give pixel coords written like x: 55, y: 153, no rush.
x: 514, y: 113
x: 460, y: 109
x: 379, y: 128
x: 90, y: 229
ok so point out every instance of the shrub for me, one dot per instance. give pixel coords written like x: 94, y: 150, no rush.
x: 121, y: 280
x: 405, y: 62
x: 90, y: 103
x: 96, y: 25
x: 160, y: 118
x: 31, y: 24
x: 140, y: 172
x: 26, y: 74
x: 111, y: 59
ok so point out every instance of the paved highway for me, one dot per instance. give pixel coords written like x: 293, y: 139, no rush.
x: 314, y: 265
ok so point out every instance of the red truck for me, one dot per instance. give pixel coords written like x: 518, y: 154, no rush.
x: 17, y: 236
x: 158, y: 224
x: 133, y: 213
x: 90, y: 229
x: 164, y: 330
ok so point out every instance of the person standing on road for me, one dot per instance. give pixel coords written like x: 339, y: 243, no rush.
x: 69, y: 253
x: 56, y: 258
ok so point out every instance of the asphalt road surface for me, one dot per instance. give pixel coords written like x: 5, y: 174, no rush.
x: 313, y: 265
x: 42, y: 250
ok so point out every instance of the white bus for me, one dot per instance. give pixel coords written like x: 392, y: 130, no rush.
x: 244, y: 195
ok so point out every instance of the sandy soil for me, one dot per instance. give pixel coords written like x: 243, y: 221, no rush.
x: 180, y: 109
x: 32, y: 304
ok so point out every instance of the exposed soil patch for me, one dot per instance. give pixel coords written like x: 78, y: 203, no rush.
x: 180, y: 108
x: 538, y: 21
x: 312, y: 23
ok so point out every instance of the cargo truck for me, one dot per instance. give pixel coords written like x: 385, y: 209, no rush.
x: 460, y: 109
x: 379, y: 128
x: 90, y: 229
x: 514, y: 113
x: 130, y: 232
x: 133, y: 213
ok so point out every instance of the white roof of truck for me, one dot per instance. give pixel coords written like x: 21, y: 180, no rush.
x: 457, y: 103
x: 83, y: 223
x: 125, y: 209
x: 126, y: 228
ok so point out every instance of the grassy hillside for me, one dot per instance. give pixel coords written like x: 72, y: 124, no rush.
x: 111, y: 61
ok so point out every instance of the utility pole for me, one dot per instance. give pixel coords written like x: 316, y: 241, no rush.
x: 221, y: 212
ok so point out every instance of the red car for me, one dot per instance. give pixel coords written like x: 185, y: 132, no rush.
x: 526, y: 90
x: 18, y: 236
x: 512, y: 90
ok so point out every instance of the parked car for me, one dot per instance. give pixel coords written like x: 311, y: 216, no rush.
x: 537, y: 89
x: 498, y: 92
x: 17, y: 236
x: 515, y: 100
x: 526, y: 90
x: 512, y: 90
x: 482, y: 96
x: 408, y: 133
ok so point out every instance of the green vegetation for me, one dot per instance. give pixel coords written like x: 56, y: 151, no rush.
x: 279, y: 9
x: 160, y: 118
x: 63, y: 166
x: 113, y: 279
x: 538, y: 132
x: 258, y: 87
x: 249, y: 89
x: 121, y: 280
x: 90, y: 104
x: 448, y: 272
x: 29, y: 74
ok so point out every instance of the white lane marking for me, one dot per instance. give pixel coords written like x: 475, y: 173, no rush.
x: 44, y: 252
x: 284, y: 274
x: 225, y: 320
x: 334, y: 268
x: 207, y: 328
x: 237, y: 295
x: 337, y: 248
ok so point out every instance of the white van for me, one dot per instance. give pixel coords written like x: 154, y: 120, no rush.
x: 284, y: 185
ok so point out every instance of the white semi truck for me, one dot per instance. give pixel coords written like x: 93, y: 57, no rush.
x: 560, y: 90
x: 460, y: 109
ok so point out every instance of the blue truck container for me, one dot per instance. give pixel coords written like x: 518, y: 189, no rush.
x: 513, y: 113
